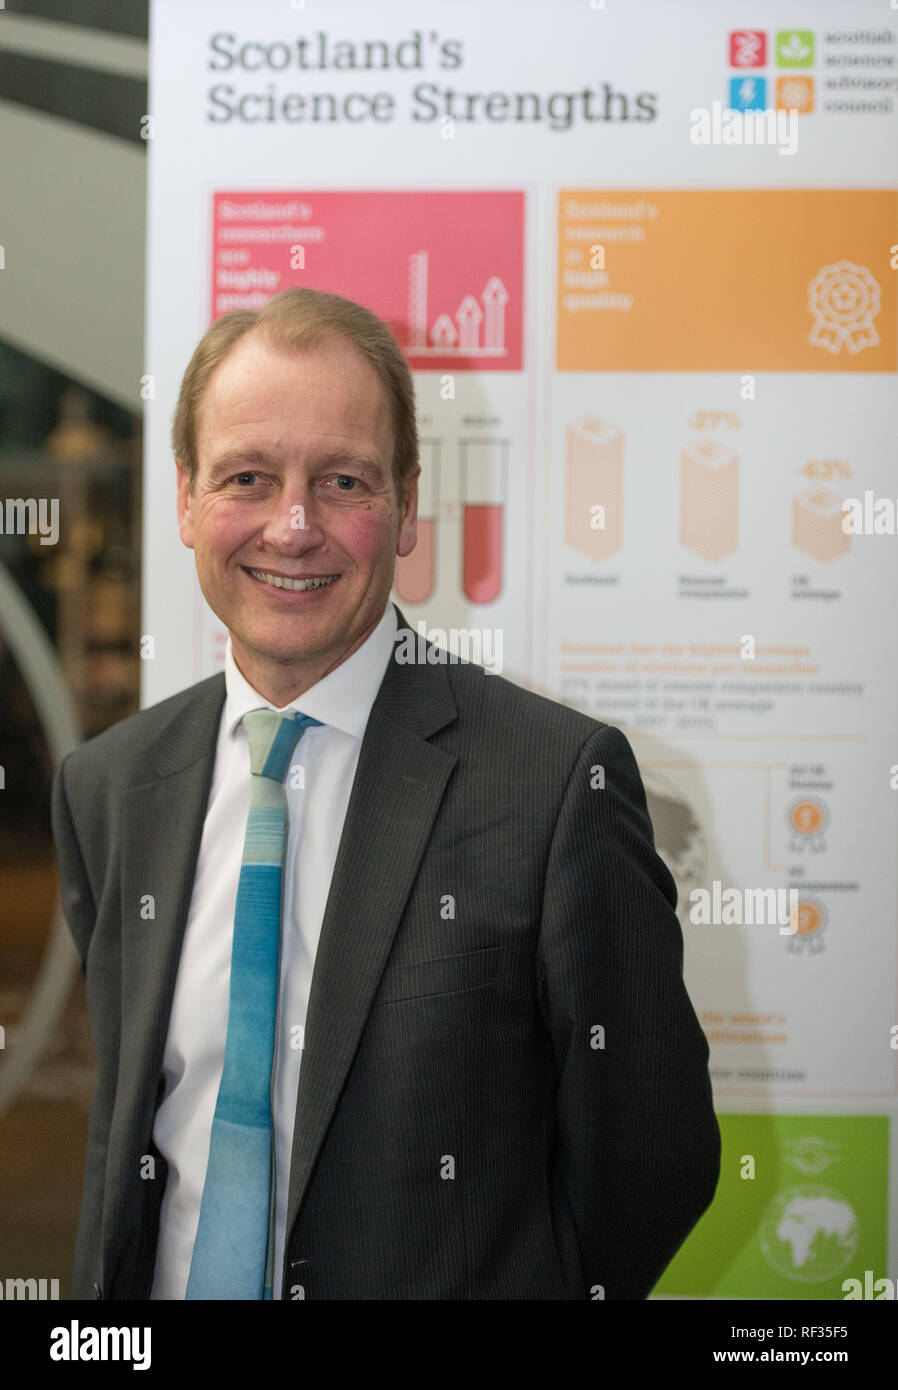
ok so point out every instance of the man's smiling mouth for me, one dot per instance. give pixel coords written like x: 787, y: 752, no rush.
x: 279, y: 581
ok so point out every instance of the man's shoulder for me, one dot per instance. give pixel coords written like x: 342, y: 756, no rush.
x: 116, y: 746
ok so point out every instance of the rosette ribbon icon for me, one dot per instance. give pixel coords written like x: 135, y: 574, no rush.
x: 844, y: 299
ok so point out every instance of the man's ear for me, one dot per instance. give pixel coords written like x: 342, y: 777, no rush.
x: 185, y: 505
x: 408, y: 526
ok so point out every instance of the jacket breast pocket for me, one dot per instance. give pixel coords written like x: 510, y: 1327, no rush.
x: 441, y: 975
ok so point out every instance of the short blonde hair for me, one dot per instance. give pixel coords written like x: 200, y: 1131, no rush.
x: 297, y: 321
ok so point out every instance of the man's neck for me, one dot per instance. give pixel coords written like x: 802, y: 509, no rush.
x: 280, y: 685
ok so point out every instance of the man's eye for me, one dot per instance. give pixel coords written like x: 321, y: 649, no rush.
x: 346, y: 478
x: 243, y: 478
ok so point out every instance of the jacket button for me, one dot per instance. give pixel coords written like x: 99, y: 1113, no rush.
x: 98, y: 1292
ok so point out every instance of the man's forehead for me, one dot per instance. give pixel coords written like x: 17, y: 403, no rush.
x: 255, y: 420
x: 256, y: 380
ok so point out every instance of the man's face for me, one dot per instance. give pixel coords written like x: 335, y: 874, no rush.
x: 294, y: 482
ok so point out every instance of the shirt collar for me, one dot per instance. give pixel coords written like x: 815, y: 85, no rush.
x: 342, y: 699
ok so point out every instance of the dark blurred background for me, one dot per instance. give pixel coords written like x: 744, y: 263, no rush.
x: 73, y: 168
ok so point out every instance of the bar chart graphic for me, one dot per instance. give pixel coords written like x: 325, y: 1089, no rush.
x: 476, y: 328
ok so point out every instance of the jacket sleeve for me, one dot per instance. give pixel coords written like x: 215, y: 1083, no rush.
x: 78, y: 905
x: 80, y: 913
x: 637, y: 1146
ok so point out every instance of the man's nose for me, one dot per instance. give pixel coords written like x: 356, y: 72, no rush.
x: 293, y: 523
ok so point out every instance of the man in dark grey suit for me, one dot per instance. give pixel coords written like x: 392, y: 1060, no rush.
x: 503, y: 1089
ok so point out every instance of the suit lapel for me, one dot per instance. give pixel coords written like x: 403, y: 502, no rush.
x: 398, y: 787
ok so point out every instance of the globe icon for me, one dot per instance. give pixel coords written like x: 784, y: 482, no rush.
x: 809, y: 1234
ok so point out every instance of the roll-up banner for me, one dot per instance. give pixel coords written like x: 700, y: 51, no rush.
x: 642, y: 260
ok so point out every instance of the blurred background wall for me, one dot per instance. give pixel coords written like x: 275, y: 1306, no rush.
x: 73, y: 88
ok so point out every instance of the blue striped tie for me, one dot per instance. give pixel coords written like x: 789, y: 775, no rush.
x: 232, y: 1257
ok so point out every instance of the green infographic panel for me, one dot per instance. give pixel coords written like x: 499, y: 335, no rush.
x: 802, y: 1205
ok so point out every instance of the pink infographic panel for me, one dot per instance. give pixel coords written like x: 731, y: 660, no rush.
x: 445, y: 269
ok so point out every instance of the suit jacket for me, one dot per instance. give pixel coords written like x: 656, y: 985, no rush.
x: 504, y: 1091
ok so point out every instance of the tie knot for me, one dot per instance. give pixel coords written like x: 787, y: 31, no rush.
x: 272, y: 738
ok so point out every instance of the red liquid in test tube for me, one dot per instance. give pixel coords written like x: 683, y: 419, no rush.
x: 483, y: 503
x: 415, y: 573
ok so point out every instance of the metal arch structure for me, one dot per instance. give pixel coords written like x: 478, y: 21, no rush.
x: 41, y: 672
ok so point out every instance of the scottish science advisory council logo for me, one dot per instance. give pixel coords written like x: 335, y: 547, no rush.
x: 762, y: 108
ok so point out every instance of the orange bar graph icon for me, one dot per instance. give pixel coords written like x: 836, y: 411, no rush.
x: 709, y: 499
x: 817, y: 518
x: 595, y: 487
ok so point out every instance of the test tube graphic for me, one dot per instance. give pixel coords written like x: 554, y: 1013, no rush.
x: 483, y: 513
x: 595, y: 475
x: 415, y: 573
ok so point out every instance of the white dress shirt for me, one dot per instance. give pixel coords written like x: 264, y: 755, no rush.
x: 194, y: 1049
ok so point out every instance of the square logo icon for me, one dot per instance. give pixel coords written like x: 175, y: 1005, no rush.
x: 794, y: 48
x: 748, y: 94
x: 748, y: 48
x: 794, y: 93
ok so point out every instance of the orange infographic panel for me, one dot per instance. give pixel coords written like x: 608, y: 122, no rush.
x: 731, y: 280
